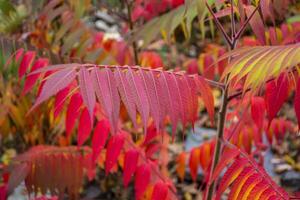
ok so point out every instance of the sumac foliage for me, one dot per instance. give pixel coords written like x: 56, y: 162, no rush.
x: 118, y: 95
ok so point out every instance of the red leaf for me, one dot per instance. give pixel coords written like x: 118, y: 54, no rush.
x: 55, y: 82
x: 84, y: 127
x: 87, y: 90
x: 17, y: 55
x: 228, y: 156
x: 150, y: 135
x: 275, y: 95
x: 60, y: 98
x: 99, y: 138
x: 297, y: 102
x: 208, y: 67
x: 113, y: 151
x: 73, y: 112
x: 3, y: 191
x: 26, y: 62
x: 142, y: 180
x: 258, y: 110
x: 160, y: 191
x: 107, y: 93
x: 32, y: 78
x: 130, y: 165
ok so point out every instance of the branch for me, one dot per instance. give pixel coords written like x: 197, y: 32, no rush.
x: 242, y: 29
x: 131, y: 27
x: 219, y: 25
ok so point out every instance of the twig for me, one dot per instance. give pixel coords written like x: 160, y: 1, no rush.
x: 131, y: 27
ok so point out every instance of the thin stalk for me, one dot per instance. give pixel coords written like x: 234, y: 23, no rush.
x: 131, y: 27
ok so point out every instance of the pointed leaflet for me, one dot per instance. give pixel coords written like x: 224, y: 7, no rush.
x: 258, y: 110
x: 17, y: 55
x: 230, y: 175
x: 250, y: 183
x: 256, y: 24
x: 130, y: 165
x: 32, y: 78
x: 84, y: 127
x: 113, y: 151
x: 26, y: 62
x: 73, y: 112
x: 19, y: 173
x: 297, y: 102
x: 160, y: 191
x: 152, y: 93
x: 55, y: 82
x: 275, y: 95
x: 99, y: 138
x: 126, y: 94
x: 60, y: 99
x: 239, y: 182
x: 207, y: 96
x: 167, y: 100
x: 180, y: 167
x: 194, y: 162
x: 107, y: 93
x: 142, y: 179
x: 228, y: 156
x: 87, y: 90
x: 138, y: 90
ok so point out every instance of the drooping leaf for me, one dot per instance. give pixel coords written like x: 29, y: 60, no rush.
x: 160, y: 191
x: 275, y: 95
x: 194, y: 163
x: 142, y: 179
x: 258, y: 110
x: 60, y: 98
x: 20, y: 173
x: 181, y: 165
x: 130, y: 165
x: 26, y: 62
x: 32, y: 78
x: 73, y: 112
x: 84, y: 127
x: 106, y: 91
x: 55, y: 82
x: 297, y: 102
x: 87, y: 90
x: 113, y: 151
x: 100, y: 136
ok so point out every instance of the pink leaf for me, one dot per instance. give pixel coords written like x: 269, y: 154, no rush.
x: 54, y: 83
x: 160, y: 191
x: 19, y: 173
x: 26, y: 62
x: 32, y: 78
x: 17, y: 55
x: 130, y: 165
x: 126, y: 94
x: 107, y: 93
x: 142, y: 180
x: 207, y: 96
x: 87, y: 90
x: 3, y: 191
x: 258, y: 110
x: 256, y: 24
x: 99, y: 138
x: 73, y: 112
x: 275, y: 95
x: 84, y: 127
x: 142, y: 104
x: 113, y: 151
x: 297, y: 102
